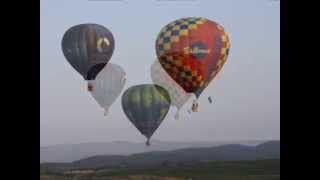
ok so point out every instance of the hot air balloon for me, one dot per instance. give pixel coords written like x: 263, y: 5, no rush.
x: 146, y: 106
x: 177, y: 94
x: 192, y: 51
x: 108, y: 85
x: 88, y: 48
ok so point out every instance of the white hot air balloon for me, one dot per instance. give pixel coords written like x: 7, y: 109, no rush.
x: 107, y: 86
x: 177, y: 94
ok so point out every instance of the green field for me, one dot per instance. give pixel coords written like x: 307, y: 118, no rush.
x: 233, y: 170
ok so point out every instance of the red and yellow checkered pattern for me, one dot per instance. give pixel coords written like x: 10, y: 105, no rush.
x: 192, y: 50
x: 173, y: 31
x: 183, y: 75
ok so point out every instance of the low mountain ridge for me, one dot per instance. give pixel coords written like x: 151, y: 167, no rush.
x: 231, y: 152
x: 73, y: 152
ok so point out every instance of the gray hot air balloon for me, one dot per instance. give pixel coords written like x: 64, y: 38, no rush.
x: 88, y: 48
x: 146, y: 106
x: 178, y: 95
x: 108, y: 85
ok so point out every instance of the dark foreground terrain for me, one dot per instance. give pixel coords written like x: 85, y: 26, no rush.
x: 220, y: 170
x: 227, y: 162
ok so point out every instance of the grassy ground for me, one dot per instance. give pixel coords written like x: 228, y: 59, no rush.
x: 238, y: 170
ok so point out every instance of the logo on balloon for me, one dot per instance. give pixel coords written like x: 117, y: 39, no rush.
x: 102, y: 44
x: 198, y: 50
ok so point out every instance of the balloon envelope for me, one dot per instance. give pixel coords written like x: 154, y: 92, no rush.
x: 107, y: 86
x: 88, y: 48
x: 146, y: 106
x: 192, y: 50
x: 177, y: 94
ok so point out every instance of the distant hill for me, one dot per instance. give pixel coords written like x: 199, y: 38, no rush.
x: 231, y: 152
x: 69, y: 153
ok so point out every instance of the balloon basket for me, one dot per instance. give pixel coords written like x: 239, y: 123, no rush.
x: 90, y: 88
x: 195, y: 106
x: 148, y: 143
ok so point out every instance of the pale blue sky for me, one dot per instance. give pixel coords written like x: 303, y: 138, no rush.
x: 246, y: 92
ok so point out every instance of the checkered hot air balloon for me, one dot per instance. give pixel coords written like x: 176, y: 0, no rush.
x: 192, y: 51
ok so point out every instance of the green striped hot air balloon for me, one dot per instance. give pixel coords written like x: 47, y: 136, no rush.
x: 146, y: 106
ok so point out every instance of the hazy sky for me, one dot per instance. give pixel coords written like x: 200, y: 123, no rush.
x: 246, y: 92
